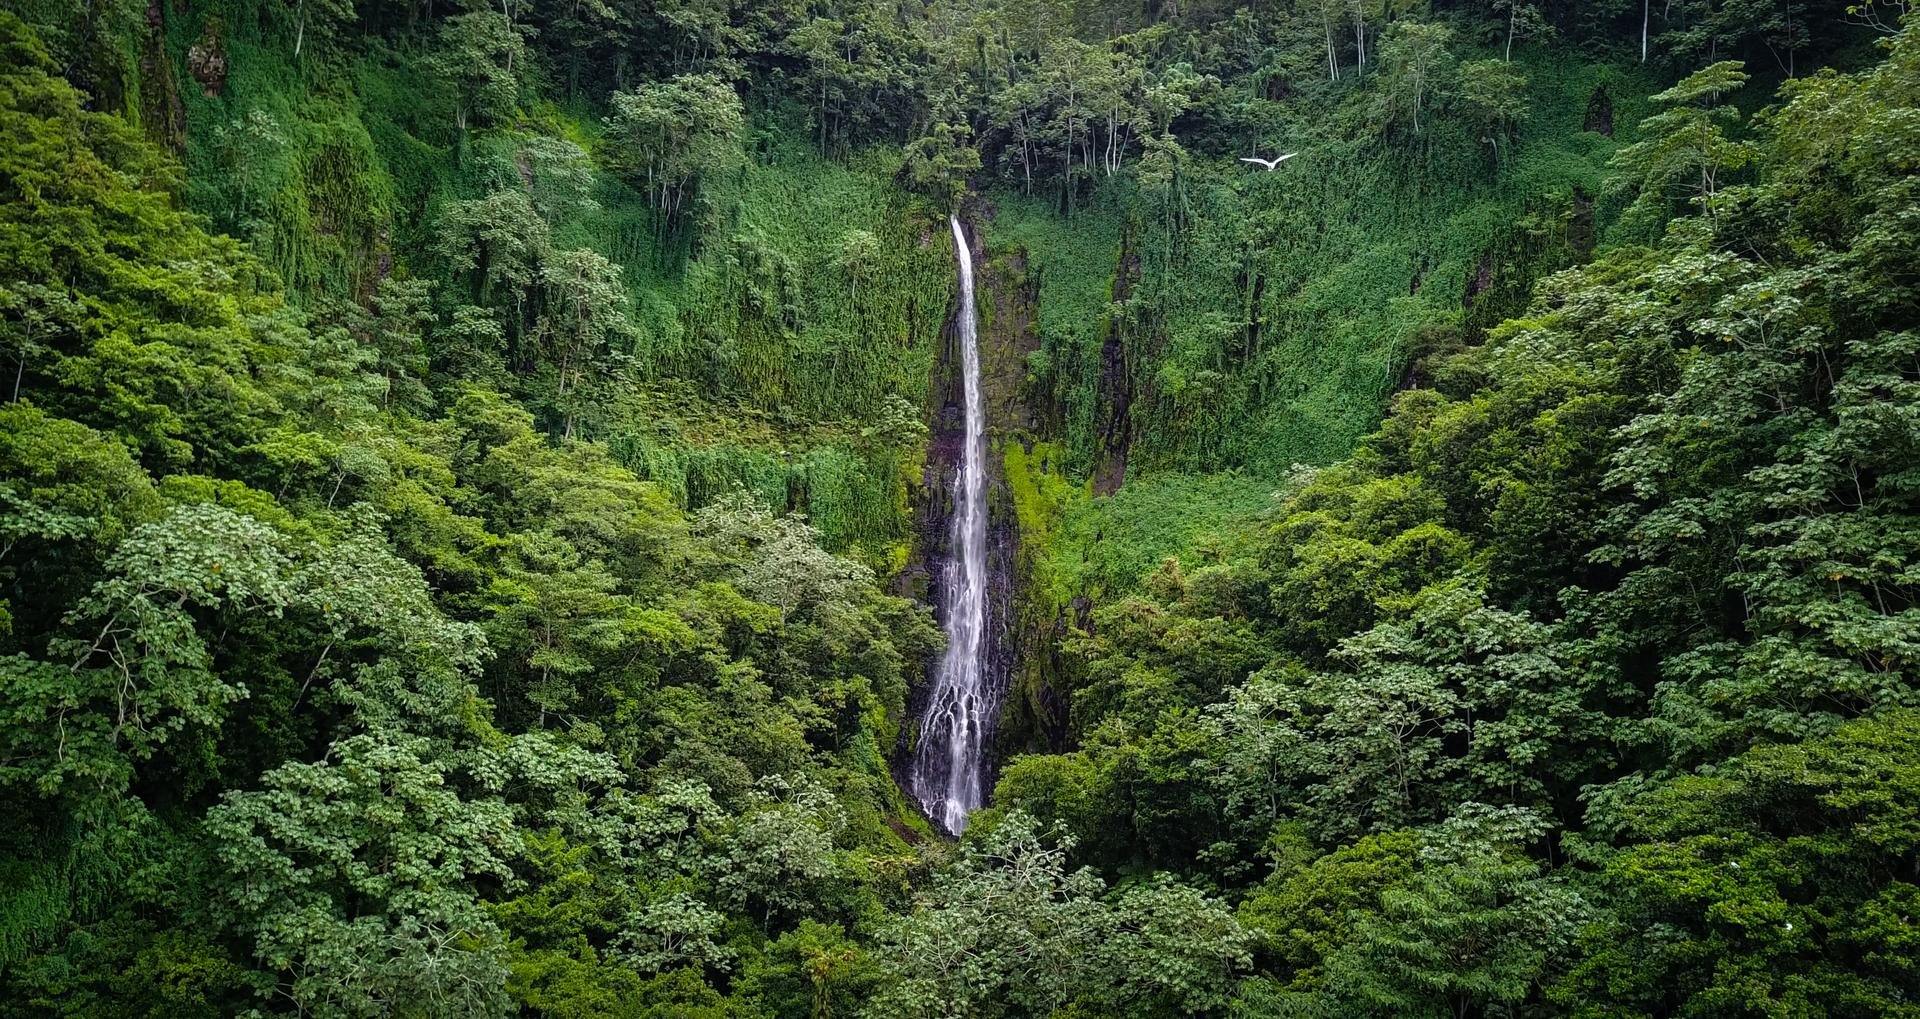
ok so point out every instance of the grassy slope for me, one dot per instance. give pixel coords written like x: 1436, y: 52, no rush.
x: 1337, y: 239
x: 759, y: 362
x: 1221, y: 414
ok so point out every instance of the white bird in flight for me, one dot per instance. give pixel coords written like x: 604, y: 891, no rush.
x: 1269, y: 163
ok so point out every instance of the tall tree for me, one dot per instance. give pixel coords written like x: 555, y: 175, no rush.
x: 1684, y: 148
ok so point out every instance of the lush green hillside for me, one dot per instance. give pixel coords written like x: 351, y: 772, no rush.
x: 465, y: 473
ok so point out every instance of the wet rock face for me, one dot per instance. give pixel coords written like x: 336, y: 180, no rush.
x: 207, y: 62
x: 1114, y: 430
x: 1580, y: 233
x: 958, y: 718
x: 1599, y: 117
x: 1006, y: 336
x: 162, y: 112
x: 1009, y: 335
x: 1481, y: 281
x: 1113, y: 434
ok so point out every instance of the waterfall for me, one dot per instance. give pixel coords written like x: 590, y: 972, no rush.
x: 950, y: 757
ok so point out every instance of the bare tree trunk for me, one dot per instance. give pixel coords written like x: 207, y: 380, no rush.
x: 507, y: 13
x: 1360, y: 40
x: 1790, y: 43
x: 1333, y: 59
x: 1026, y: 152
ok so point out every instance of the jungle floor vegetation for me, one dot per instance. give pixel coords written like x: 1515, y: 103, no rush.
x: 463, y: 469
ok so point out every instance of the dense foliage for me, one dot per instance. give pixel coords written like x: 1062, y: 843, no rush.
x: 459, y: 463
x: 1586, y: 684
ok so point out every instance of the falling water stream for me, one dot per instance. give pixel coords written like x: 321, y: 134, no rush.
x: 950, y: 757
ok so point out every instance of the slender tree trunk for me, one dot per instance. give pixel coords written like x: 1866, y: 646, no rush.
x: 1026, y: 152
x: 1790, y: 43
x: 1359, y: 38
x: 1333, y: 59
x: 1646, y: 17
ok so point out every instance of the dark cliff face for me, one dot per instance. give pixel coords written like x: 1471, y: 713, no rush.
x: 1022, y: 637
x: 1009, y: 303
x: 1114, y: 427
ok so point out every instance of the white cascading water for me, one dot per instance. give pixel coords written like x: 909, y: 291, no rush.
x: 948, y: 762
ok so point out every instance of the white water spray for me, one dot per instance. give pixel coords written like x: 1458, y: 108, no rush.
x: 951, y: 755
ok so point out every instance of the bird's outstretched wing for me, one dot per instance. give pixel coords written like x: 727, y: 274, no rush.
x: 1268, y: 163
